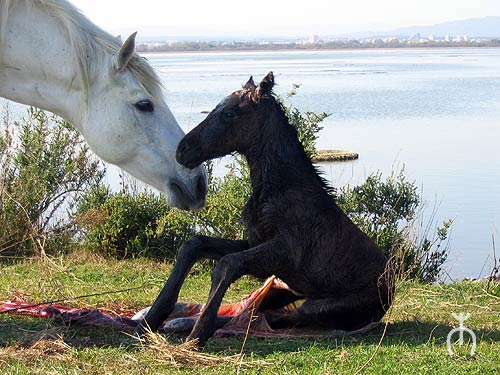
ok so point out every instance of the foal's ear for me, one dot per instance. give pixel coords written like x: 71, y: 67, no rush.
x: 126, y: 52
x: 250, y: 85
x: 266, y: 85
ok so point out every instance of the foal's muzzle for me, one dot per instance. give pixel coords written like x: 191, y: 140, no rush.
x: 188, y: 155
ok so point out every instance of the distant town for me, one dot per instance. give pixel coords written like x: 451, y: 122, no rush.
x: 315, y: 42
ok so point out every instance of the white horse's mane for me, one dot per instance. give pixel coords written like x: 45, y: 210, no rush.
x: 87, y: 39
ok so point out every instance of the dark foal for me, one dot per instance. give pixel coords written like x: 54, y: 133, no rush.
x: 295, y: 229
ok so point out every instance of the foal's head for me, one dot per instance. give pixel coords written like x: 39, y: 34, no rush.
x: 232, y: 126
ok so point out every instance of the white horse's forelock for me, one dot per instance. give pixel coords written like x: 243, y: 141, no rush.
x: 87, y: 39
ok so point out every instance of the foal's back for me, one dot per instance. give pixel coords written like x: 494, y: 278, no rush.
x: 331, y: 254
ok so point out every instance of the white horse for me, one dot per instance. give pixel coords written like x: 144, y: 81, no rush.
x: 54, y: 58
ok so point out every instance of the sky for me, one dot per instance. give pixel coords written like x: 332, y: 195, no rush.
x: 276, y: 17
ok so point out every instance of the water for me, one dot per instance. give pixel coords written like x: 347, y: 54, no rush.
x: 435, y: 111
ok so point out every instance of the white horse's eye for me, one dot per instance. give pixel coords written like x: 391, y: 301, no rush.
x: 144, y: 106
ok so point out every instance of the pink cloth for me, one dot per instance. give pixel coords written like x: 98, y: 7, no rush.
x: 246, y: 317
x: 241, y: 311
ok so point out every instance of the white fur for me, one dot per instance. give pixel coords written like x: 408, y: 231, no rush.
x: 52, y: 57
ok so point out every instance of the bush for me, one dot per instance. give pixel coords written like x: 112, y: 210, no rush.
x: 44, y: 166
x: 308, y: 124
x: 131, y: 224
x: 226, y: 197
x: 387, y: 211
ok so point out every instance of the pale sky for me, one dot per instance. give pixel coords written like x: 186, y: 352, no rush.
x: 279, y: 17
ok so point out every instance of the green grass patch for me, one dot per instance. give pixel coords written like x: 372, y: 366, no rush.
x: 414, y: 340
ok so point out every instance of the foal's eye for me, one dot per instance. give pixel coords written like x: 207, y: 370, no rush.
x: 229, y: 114
x: 144, y: 106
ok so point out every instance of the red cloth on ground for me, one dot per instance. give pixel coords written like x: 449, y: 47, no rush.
x: 246, y: 316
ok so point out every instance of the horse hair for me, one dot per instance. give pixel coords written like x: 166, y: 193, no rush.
x: 87, y: 40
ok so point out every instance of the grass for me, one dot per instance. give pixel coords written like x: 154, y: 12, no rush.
x: 414, y: 341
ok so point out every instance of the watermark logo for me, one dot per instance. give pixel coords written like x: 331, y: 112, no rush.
x: 461, y: 319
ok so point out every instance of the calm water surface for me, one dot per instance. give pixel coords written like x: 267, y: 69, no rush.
x: 437, y: 112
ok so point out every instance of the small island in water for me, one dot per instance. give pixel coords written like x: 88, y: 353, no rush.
x: 334, y: 155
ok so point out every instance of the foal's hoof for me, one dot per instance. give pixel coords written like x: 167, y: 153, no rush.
x: 196, y: 343
x: 137, y: 338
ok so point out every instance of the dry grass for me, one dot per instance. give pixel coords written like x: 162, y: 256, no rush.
x: 59, y: 345
x: 48, y: 344
x: 187, y: 354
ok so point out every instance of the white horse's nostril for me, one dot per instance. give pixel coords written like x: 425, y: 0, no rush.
x: 201, y: 187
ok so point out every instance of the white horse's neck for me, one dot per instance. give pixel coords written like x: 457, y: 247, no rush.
x: 38, y: 66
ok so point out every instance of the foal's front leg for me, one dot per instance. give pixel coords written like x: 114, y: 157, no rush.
x: 265, y: 259
x: 196, y: 248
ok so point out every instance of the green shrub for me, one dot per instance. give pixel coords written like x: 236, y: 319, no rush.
x: 44, y: 166
x: 308, y: 124
x: 129, y: 224
x: 387, y: 210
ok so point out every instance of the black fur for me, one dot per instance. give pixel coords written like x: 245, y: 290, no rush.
x: 295, y: 229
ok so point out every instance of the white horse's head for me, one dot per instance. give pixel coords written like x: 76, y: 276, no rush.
x: 53, y: 57
x: 128, y: 123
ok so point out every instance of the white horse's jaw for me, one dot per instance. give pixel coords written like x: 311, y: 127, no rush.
x: 188, y: 192
x: 183, y: 187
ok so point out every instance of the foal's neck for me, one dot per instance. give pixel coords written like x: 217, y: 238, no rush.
x: 276, y: 158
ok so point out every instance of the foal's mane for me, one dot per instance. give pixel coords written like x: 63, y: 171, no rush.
x: 87, y: 39
x: 274, y: 103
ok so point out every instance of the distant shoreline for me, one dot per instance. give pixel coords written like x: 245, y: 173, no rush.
x: 229, y: 50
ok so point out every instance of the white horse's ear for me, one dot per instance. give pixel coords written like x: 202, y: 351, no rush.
x: 126, y: 52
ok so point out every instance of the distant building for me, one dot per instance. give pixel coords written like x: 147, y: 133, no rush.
x: 391, y: 39
x: 431, y: 38
x: 313, y: 38
x: 447, y: 38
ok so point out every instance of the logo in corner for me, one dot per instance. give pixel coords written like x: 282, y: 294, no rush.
x: 461, y: 329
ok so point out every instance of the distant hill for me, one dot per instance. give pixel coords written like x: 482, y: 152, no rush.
x: 485, y: 27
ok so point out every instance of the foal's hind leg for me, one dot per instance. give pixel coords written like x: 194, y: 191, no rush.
x: 347, y: 314
x: 265, y: 259
x: 278, y: 298
x: 198, y: 247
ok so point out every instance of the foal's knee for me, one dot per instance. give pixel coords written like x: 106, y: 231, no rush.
x: 227, y: 268
x: 189, y: 249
